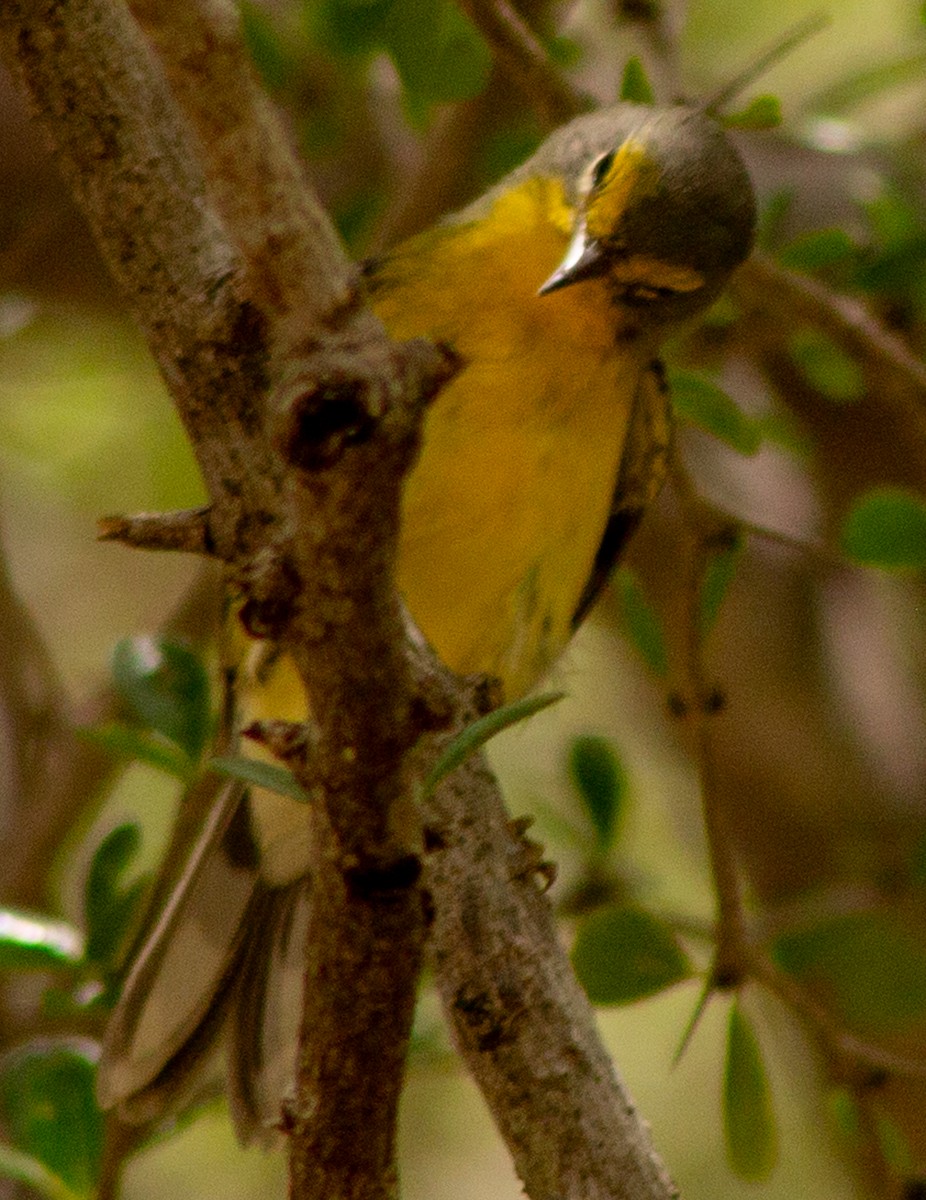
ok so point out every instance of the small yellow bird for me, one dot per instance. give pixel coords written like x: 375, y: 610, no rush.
x: 554, y: 290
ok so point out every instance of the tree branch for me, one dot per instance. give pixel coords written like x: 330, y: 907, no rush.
x: 293, y: 257
x: 703, y: 530
x: 785, y: 301
x: 518, y: 50
x: 519, y: 1017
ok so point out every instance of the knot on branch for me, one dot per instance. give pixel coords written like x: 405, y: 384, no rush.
x: 270, y: 583
x: 349, y: 394
x: 330, y: 415
x: 292, y: 742
x: 376, y: 881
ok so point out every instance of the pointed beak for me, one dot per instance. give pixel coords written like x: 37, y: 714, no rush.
x: 583, y: 260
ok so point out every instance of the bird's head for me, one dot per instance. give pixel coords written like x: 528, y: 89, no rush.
x: 664, y: 208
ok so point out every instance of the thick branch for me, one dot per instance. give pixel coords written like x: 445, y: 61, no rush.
x: 520, y: 1018
x: 293, y: 255
x: 369, y: 912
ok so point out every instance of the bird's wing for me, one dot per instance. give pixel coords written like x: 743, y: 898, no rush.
x: 643, y: 470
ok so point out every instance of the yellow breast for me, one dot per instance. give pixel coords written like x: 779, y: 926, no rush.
x: 506, y: 508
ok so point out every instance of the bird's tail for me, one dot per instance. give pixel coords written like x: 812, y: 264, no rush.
x: 220, y: 968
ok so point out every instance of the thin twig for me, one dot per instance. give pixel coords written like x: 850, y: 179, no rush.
x: 186, y: 530
x: 520, y: 52
x: 792, y: 302
x: 701, y: 531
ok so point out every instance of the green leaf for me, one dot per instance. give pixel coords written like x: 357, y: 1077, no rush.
x: 506, y: 148
x: 781, y: 429
x: 565, y: 52
x: 762, y: 112
x: 167, y: 688
x: 844, y: 1111
x: 893, y: 219
x: 438, y: 52
x: 748, y: 1117
x: 23, y: 1168
x: 138, y: 745
x: 476, y: 734
x: 709, y: 407
x: 827, y: 367
x: 772, y: 217
x: 894, y: 1146
x: 813, y: 251
x: 635, y: 85
x: 640, y: 621
x: 625, y: 954
x: 33, y: 942
x: 261, y: 774
x: 347, y: 28
x: 599, y: 779
x: 886, y: 527
x: 896, y: 271
x: 869, y: 965
x: 109, y: 907
x: 720, y: 573
x: 49, y: 1107
x: 264, y: 44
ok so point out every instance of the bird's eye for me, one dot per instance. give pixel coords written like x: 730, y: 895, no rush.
x: 601, y: 168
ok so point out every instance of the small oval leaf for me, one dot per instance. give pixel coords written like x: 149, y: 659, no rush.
x: 816, y: 250
x: 708, y: 406
x: 264, y: 44
x: 167, y: 687
x: 870, y: 965
x: 109, y: 907
x: 23, y: 1168
x: 748, y: 1116
x: 827, y: 367
x: 625, y: 954
x: 886, y: 527
x: 720, y: 573
x: 34, y: 942
x: 844, y: 1110
x: 599, y: 779
x: 635, y: 85
x: 139, y: 745
x: 762, y: 112
x: 640, y: 622
x: 438, y: 52
x: 49, y: 1108
x: 894, y: 1145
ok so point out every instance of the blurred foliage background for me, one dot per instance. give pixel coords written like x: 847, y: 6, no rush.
x: 820, y: 747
